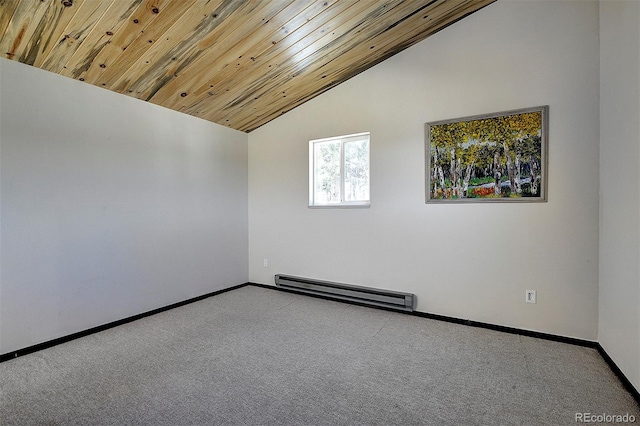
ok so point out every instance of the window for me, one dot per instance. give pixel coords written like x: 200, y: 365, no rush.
x: 339, y: 171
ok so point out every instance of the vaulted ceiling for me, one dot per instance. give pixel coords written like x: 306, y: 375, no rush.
x: 239, y: 63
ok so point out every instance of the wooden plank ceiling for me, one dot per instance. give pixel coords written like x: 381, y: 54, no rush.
x: 239, y: 63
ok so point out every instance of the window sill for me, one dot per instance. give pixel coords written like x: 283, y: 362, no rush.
x: 340, y: 206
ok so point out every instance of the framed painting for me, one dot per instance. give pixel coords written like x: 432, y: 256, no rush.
x: 498, y: 157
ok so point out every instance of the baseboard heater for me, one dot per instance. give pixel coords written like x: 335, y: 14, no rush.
x: 352, y: 293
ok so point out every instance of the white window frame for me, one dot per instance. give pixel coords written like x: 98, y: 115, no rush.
x: 342, y: 203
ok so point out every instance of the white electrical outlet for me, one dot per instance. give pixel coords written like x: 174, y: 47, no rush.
x: 266, y: 263
x: 530, y: 296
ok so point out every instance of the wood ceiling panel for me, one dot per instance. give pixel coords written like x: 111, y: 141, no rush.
x: 18, y: 36
x: 278, y: 62
x: 286, y: 42
x: 229, y: 59
x: 7, y: 8
x: 79, y: 27
x: 228, y: 32
x: 176, y: 42
x: 101, y: 34
x: 50, y: 29
x: 149, y: 22
x: 239, y: 63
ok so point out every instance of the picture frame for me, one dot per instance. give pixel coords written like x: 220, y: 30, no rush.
x: 496, y: 157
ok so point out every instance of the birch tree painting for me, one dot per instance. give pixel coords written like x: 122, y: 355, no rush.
x: 494, y: 157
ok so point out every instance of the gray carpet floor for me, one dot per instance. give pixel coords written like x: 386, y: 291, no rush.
x: 256, y: 356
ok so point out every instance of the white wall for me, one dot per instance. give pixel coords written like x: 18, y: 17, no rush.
x: 110, y: 206
x: 469, y: 261
x: 619, y: 325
